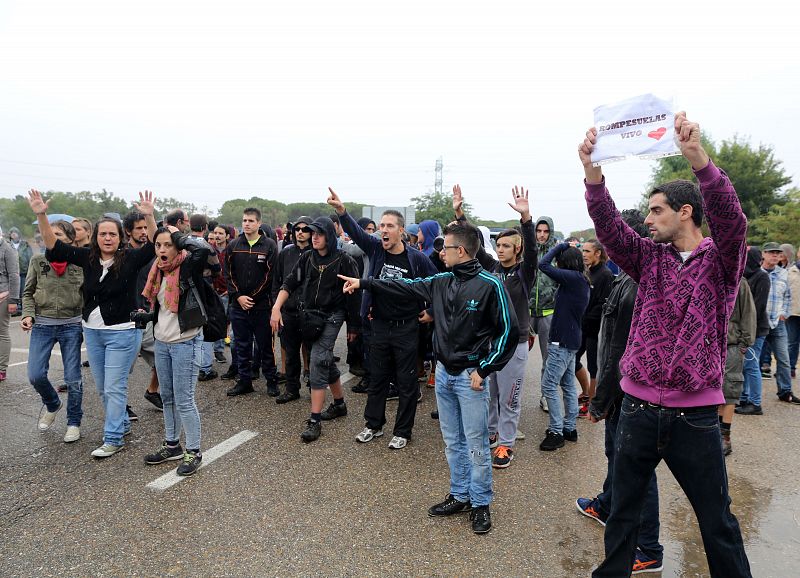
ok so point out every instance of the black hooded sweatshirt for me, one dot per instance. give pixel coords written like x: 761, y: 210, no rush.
x: 759, y: 282
x: 323, y: 289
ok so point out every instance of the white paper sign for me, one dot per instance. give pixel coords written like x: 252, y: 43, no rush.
x: 643, y: 127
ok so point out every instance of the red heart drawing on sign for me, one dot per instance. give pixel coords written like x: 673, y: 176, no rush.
x: 657, y: 134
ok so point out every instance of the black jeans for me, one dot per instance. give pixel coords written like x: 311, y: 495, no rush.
x: 248, y: 326
x: 688, y: 440
x: 292, y: 341
x: 393, y: 355
x: 650, y: 525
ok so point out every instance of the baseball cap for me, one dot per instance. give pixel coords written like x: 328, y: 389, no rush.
x: 769, y: 247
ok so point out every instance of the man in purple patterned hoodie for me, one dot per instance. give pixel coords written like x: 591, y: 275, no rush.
x: 674, y: 362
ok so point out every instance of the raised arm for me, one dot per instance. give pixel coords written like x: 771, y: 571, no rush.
x: 399, y: 288
x: 546, y: 265
x: 39, y: 207
x: 146, y: 206
x: 625, y: 247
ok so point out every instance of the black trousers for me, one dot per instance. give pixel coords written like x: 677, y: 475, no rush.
x: 248, y: 326
x: 292, y: 341
x: 393, y: 355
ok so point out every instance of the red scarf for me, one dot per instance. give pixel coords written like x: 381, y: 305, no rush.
x: 59, y: 267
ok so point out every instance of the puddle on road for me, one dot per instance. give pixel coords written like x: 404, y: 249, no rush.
x: 770, y: 524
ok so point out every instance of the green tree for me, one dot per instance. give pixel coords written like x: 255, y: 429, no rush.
x: 584, y: 234
x: 755, y: 173
x: 780, y: 224
x: 438, y: 207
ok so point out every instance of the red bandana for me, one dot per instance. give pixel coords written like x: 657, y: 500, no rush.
x: 59, y: 268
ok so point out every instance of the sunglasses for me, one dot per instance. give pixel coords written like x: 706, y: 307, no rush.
x: 303, y: 229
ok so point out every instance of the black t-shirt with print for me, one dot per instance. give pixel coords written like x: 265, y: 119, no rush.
x: 390, y: 308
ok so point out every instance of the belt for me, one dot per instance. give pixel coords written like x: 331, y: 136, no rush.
x: 655, y: 406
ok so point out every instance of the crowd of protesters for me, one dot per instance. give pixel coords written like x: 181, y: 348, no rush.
x: 668, y: 334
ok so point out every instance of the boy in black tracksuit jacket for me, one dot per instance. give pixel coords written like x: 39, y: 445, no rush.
x: 249, y: 264
x: 475, y: 334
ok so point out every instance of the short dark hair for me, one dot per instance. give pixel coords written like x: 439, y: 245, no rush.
x: 67, y: 228
x: 635, y: 220
x: 682, y: 192
x: 401, y: 220
x: 173, y: 217
x: 198, y: 222
x: 212, y: 224
x: 465, y: 235
x: 130, y: 220
x: 335, y: 218
x: 252, y: 211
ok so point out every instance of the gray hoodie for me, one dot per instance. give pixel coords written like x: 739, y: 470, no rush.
x: 9, y: 270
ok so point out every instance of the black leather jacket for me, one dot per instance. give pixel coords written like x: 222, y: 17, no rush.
x: 615, y: 327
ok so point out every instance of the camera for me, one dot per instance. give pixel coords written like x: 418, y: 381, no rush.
x: 141, y: 318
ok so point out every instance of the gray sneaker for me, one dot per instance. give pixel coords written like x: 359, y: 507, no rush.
x: 398, y: 443
x: 367, y: 435
x: 106, y: 450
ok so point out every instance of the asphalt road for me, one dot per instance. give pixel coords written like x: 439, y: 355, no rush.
x: 274, y: 506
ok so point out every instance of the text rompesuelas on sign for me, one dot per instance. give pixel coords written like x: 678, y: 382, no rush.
x: 641, y: 127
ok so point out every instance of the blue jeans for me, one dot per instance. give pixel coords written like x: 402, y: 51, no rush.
x: 560, y: 369
x: 778, y: 339
x: 206, y: 361
x: 793, y: 331
x: 751, y: 389
x: 43, y: 339
x: 178, y: 365
x: 688, y: 440
x: 464, y: 421
x: 650, y: 525
x: 111, y: 354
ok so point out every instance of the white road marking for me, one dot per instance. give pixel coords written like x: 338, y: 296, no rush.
x: 22, y: 350
x: 16, y: 364
x: 346, y: 377
x: 170, y: 479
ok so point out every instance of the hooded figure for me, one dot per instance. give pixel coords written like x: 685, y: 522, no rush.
x: 759, y: 282
x: 429, y: 230
x: 543, y: 293
x: 363, y: 222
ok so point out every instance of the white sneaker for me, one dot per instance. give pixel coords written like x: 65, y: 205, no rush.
x: 73, y: 434
x: 398, y: 443
x: 47, y: 418
x: 367, y: 435
x: 106, y: 450
x: 543, y: 404
x: 520, y: 435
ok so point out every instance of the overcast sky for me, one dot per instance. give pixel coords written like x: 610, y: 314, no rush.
x: 206, y: 101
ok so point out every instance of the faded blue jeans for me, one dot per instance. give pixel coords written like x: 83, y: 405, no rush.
x: 111, y: 354
x: 464, y: 421
x: 751, y: 389
x: 778, y: 338
x: 178, y: 365
x: 559, y: 369
x: 69, y: 338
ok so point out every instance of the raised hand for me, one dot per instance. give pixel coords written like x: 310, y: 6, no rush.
x: 594, y: 175
x: 521, y: 204
x: 335, y: 202
x: 351, y: 284
x: 36, y: 202
x: 458, y: 200
x: 146, y: 204
x: 688, y: 136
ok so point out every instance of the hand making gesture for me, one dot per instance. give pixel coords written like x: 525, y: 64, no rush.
x: 521, y: 204
x: 335, y: 202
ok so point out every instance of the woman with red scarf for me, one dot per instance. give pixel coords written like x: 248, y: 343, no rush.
x: 51, y: 310
x: 179, y: 341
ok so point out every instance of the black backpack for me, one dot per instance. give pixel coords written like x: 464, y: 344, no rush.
x: 205, y: 307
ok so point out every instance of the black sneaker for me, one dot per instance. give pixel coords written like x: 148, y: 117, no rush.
x: 220, y: 357
x: 435, y: 414
x: 207, y: 375
x: 766, y: 373
x: 191, y: 463
x: 232, y: 373
x: 131, y: 414
x: 164, y: 454
x: 358, y: 370
x: 334, y: 411
x: 570, y: 435
x: 312, y: 432
x: 85, y: 363
x: 481, y: 519
x: 287, y: 396
x: 154, y: 398
x: 789, y: 397
x: 449, y: 507
x: 281, y: 377
x: 552, y: 441
x: 360, y: 387
x: 272, y: 389
x: 749, y: 409
x: 392, y: 393
x: 240, y: 388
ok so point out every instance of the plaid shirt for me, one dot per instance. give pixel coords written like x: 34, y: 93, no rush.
x: 780, y: 296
